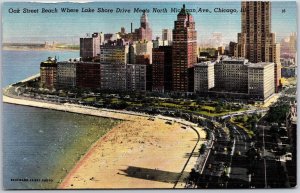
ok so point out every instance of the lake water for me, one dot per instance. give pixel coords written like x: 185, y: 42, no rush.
x: 41, y: 144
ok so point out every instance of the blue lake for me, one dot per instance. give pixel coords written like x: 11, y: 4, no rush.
x: 36, y: 141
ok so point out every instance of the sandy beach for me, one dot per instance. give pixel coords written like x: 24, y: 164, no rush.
x: 138, y: 153
x: 135, y: 154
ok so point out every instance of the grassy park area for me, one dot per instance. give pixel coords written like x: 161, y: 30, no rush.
x: 247, y: 122
x: 132, y: 101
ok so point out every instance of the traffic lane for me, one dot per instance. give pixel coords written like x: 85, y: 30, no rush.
x: 239, y: 162
x: 241, y: 137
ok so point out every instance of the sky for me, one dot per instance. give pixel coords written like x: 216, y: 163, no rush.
x: 68, y: 27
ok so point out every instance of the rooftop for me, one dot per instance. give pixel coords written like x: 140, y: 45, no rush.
x: 183, y: 11
x: 208, y: 63
x: 259, y: 65
x: 49, y: 61
x: 232, y: 60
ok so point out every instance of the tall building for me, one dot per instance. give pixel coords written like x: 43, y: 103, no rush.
x: 113, y: 76
x: 122, y: 30
x: 239, y: 78
x: 293, y: 44
x: 144, y: 48
x: 166, y: 35
x: 261, y: 80
x: 288, y: 46
x: 48, y: 73
x: 66, y: 74
x: 136, y: 77
x: 221, y: 50
x: 204, y: 77
x: 158, y: 42
x: 256, y: 42
x: 121, y: 77
x: 162, y: 69
x: 131, y: 54
x: 231, y: 75
x: 143, y: 59
x: 90, y: 46
x: 144, y: 32
x: 88, y: 75
x: 233, y: 49
x: 184, y: 52
x: 114, y: 53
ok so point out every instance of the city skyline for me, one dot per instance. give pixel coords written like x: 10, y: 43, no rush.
x: 221, y: 79
x: 67, y: 31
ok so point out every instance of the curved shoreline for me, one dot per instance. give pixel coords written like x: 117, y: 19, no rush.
x: 115, y: 114
x: 69, y: 108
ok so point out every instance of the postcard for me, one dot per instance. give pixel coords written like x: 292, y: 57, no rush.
x: 149, y: 95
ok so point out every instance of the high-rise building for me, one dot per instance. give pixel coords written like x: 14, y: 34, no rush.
x: 158, y: 42
x: 145, y: 60
x: 66, y: 74
x: 48, y: 72
x: 90, y: 46
x: 204, y: 77
x: 288, y: 46
x: 221, y: 50
x: 113, y: 76
x: 166, y: 35
x: 231, y: 75
x: 184, y: 52
x: 162, y: 69
x: 293, y: 44
x: 121, y: 77
x: 88, y: 75
x: 136, y: 77
x: 236, y: 77
x: 144, y: 32
x: 144, y: 48
x: 256, y: 42
x: 114, y: 53
x: 260, y: 80
x: 142, y: 59
x: 131, y: 54
x: 233, y: 49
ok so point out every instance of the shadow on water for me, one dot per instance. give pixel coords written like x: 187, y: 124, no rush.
x: 152, y: 174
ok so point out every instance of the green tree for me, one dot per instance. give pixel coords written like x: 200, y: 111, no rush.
x: 218, y: 108
x: 245, y: 118
x: 278, y: 113
x: 202, y: 149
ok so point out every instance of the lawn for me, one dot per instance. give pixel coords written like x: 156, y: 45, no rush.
x: 207, y: 109
x: 90, y: 99
x: 169, y: 105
